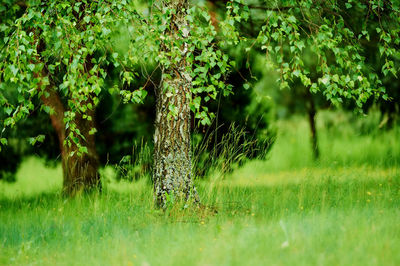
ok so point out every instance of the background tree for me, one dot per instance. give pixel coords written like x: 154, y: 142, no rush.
x: 57, y: 52
x: 323, y: 48
x: 295, y: 100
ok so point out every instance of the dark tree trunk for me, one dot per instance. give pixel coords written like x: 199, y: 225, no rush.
x: 80, y: 172
x: 313, y: 129
x: 172, y: 173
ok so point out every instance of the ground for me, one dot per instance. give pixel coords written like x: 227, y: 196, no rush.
x: 288, y: 210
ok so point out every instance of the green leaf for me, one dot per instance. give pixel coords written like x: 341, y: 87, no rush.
x: 86, y: 19
x: 13, y: 69
x: 292, y: 19
x: 8, y: 110
x: 83, y: 149
x: 92, y: 131
x: 32, y: 141
x: 40, y: 138
x: 3, y: 141
x: 31, y: 67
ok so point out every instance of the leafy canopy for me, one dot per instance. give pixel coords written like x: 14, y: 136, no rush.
x: 69, y: 47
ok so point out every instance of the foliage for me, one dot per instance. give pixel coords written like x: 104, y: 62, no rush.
x: 198, y: 43
x: 326, y: 29
x: 72, y: 48
x: 62, y: 45
x: 73, y: 44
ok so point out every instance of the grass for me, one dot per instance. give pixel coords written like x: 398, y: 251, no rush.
x: 285, y: 211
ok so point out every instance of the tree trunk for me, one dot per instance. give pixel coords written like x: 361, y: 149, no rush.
x: 313, y: 129
x: 172, y: 173
x: 80, y: 172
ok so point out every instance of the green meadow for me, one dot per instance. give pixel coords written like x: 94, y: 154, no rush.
x: 272, y: 127
x: 287, y: 210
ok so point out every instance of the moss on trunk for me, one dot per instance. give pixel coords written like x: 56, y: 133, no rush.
x: 172, y: 174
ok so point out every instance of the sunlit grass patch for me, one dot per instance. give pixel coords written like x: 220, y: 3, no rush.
x: 257, y: 174
x: 33, y: 178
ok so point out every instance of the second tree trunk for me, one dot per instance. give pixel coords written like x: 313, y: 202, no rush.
x: 80, y: 173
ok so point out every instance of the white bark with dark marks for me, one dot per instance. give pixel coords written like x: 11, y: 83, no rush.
x: 172, y: 174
